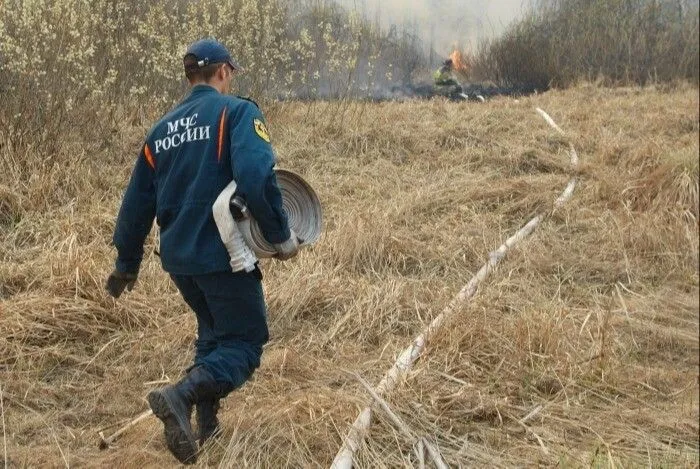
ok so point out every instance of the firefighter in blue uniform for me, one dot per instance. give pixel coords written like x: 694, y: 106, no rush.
x: 189, y: 156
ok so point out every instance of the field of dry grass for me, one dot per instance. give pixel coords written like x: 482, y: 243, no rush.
x: 592, y: 322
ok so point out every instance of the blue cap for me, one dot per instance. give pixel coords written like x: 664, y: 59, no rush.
x: 210, y: 51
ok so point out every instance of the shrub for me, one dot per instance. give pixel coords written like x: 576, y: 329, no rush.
x: 617, y: 41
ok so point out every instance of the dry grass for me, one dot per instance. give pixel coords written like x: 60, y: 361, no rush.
x: 593, y: 320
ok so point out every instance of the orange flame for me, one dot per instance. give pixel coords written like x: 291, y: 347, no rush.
x: 458, y: 63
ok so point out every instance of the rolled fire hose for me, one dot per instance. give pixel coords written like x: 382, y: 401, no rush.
x: 303, y: 210
x: 243, y: 238
x: 242, y: 256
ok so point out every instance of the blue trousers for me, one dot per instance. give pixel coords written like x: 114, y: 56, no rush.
x: 231, y: 323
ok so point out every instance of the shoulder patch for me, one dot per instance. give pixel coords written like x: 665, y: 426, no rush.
x: 261, y: 130
x: 248, y: 99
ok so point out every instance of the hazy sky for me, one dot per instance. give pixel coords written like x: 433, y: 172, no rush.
x: 446, y: 21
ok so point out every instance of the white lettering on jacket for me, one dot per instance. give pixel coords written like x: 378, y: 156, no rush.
x: 182, y: 131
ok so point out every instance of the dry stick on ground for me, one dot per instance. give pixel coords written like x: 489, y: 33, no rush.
x: 532, y: 413
x: 401, y: 425
x: 420, y: 452
x: 343, y: 460
x: 4, y: 435
x: 105, y: 442
x: 435, y: 455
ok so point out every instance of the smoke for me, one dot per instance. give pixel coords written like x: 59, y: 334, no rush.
x: 444, y: 23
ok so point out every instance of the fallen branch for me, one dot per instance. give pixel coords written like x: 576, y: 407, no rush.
x: 401, y: 425
x: 534, y: 412
x: 385, y: 407
x: 435, y: 455
x: 4, y: 435
x: 106, y: 442
x: 420, y: 453
x: 343, y: 460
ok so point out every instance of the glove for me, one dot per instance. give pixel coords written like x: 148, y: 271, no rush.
x: 288, y: 249
x: 118, y: 281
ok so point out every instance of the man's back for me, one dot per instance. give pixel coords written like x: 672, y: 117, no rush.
x: 191, y: 165
x: 189, y: 157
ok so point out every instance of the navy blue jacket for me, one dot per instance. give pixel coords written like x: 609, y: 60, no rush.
x: 188, y: 158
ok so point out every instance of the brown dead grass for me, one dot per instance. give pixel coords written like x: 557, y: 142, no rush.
x: 593, y: 320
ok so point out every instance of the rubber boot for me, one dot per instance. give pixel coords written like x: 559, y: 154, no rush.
x: 207, y: 421
x: 173, y: 406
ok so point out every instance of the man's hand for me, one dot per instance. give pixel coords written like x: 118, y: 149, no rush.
x: 118, y: 281
x: 288, y: 249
